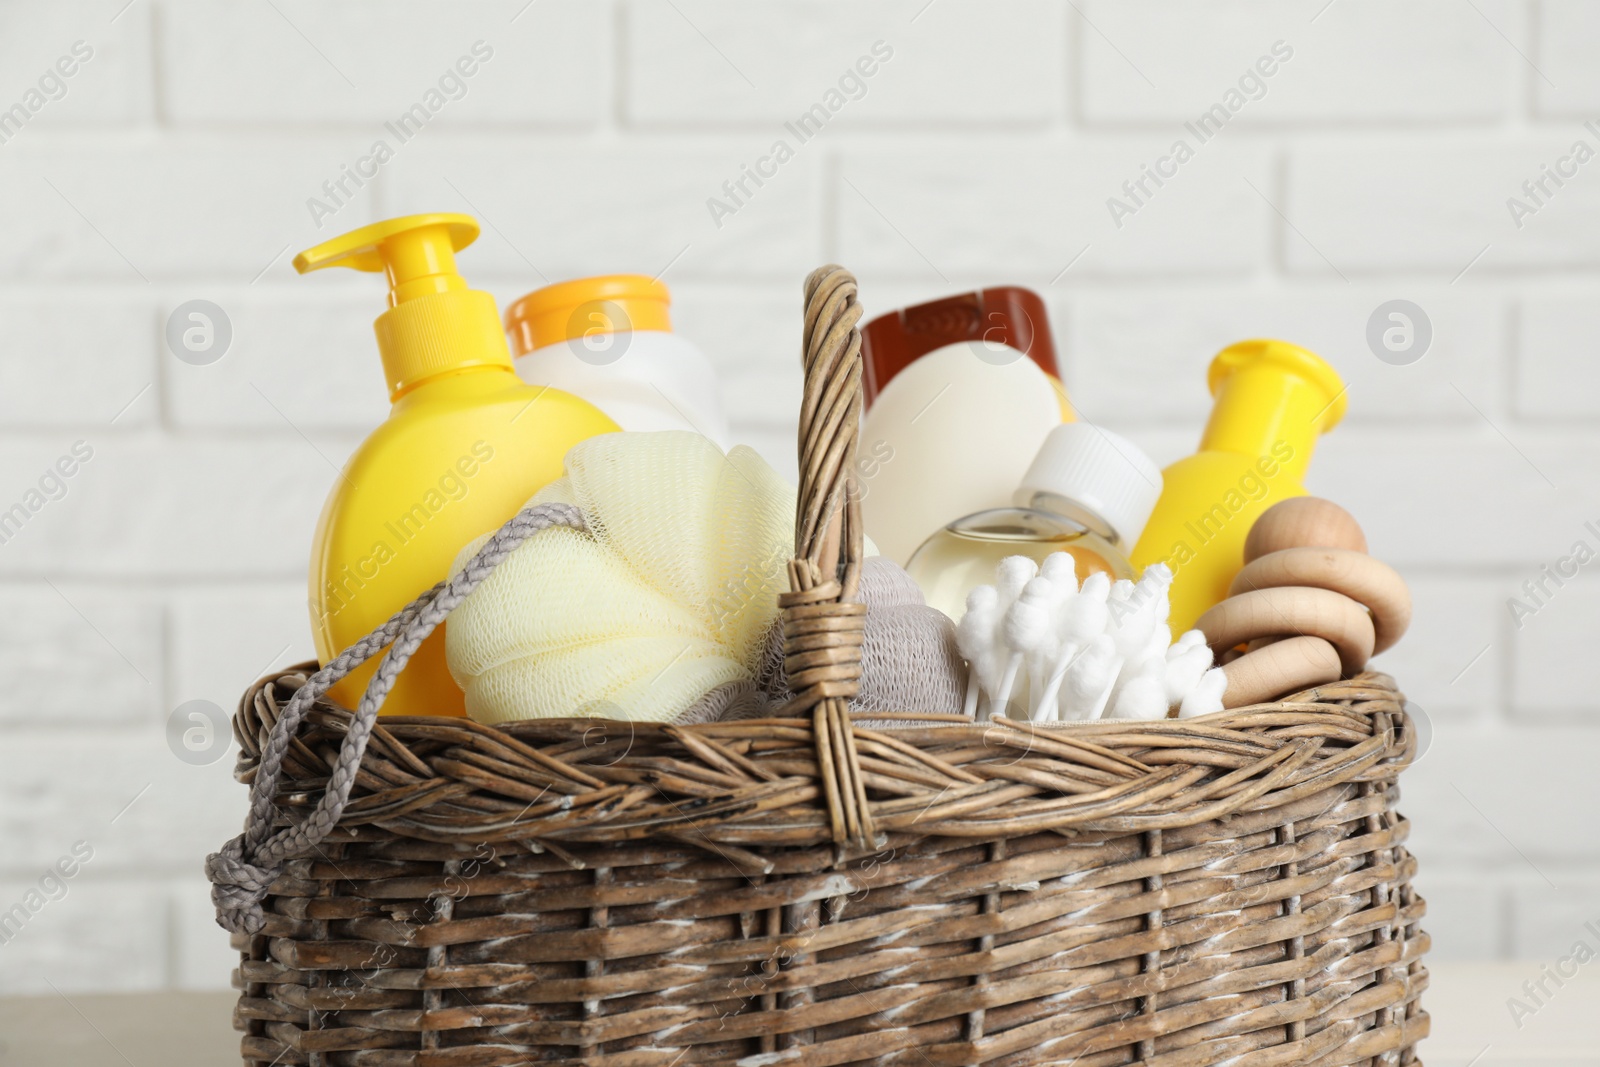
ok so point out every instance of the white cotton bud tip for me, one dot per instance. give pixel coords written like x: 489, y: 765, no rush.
x: 971, y: 638
x: 1206, y: 697
x: 975, y: 631
x: 1039, y: 590
x: 1011, y: 574
x: 1156, y: 645
x: 1060, y: 568
x: 1097, y: 585
x: 1157, y: 574
x: 1085, y: 618
x: 983, y: 607
x: 1089, y: 677
x: 1160, y: 606
x: 1187, y: 640
x: 1052, y: 594
x: 1018, y: 565
x: 1027, y: 622
x: 1185, y: 670
x: 1132, y: 624
x: 1144, y: 697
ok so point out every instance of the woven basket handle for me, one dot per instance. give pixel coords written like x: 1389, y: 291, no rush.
x: 822, y: 622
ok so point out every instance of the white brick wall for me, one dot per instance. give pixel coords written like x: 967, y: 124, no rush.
x: 1375, y: 164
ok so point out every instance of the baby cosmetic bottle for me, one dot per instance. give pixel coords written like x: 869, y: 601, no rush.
x: 609, y: 340
x: 1087, y: 493
x: 465, y: 445
x: 1272, y: 400
x: 951, y: 434
x: 1002, y: 317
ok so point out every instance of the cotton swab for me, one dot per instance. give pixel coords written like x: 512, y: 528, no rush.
x: 1058, y: 577
x: 1144, y: 695
x: 1011, y: 575
x: 1083, y: 619
x: 1206, y: 696
x: 1186, y: 664
x: 1136, y: 610
x: 1085, y: 650
x: 1091, y: 675
x: 975, y: 642
x: 1137, y: 619
x: 1026, y: 626
x: 1149, y: 661
x: 1061, y: 569
x: 1112, y: 673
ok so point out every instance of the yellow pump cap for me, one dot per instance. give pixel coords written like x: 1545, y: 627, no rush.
x: 568, y: 311
x: 434, y: 324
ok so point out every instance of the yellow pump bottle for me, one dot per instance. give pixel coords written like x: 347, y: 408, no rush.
x: 465, y: 445
x: 1272, y: 401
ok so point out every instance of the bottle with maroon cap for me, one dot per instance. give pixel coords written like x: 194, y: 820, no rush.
x: 1004, y: 315
x: 960, y: 394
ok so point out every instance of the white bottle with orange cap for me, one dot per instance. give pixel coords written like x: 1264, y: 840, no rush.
x: 609, y: 340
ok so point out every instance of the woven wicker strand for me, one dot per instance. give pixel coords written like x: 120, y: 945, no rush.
x: 1233, y: 888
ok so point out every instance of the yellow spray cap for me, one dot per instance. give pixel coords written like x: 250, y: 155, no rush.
x: 434, y: 324
x: 1271, y: 394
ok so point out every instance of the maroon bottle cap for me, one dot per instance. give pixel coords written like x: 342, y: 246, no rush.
x: 1009, y: 315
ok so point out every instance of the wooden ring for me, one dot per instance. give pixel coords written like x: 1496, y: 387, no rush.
x: 1281, y: 667
x: 1303, y: 522
x: 1357, y: 575
x: 1292, y: 611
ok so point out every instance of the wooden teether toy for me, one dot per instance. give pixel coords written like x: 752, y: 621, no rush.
x: 1357, y: 575
x: 1281, y: 667
x: 1303, y: 522
x: 1291, y: 612
x: 1309, y: 606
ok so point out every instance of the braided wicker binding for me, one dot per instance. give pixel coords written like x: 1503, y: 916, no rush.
x: 1228, y: 889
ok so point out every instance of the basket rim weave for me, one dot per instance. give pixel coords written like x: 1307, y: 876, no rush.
x: 596, y: 780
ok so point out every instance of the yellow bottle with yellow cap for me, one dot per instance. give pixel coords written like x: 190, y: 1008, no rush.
x: 1272, y: 401
x: 609, y: 340
x: 465, y: 445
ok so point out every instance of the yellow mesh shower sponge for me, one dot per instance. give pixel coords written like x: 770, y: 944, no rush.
x: 669, y: 596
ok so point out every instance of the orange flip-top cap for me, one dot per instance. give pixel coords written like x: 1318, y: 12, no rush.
x: 610, y: 303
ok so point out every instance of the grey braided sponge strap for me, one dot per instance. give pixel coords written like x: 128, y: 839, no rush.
x: 243, y: 871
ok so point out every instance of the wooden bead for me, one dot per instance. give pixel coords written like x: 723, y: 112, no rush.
x: 1279, y: 668
x: 1292, y: 611
x: 1303, y: 522
x: 1365, y: 580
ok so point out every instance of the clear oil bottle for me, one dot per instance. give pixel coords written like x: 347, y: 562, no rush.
x: 1087, y: 493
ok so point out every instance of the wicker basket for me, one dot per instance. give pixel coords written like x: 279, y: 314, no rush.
x: 1233, y: 888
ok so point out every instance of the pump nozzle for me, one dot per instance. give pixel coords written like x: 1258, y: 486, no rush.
x: 434, y: 323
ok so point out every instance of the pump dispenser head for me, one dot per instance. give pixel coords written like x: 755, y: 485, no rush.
x: 435, y: 324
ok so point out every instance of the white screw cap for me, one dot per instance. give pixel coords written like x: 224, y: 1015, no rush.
x: 1106, y: 475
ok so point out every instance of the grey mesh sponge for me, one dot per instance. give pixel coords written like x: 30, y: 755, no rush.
x: 909, y: 660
